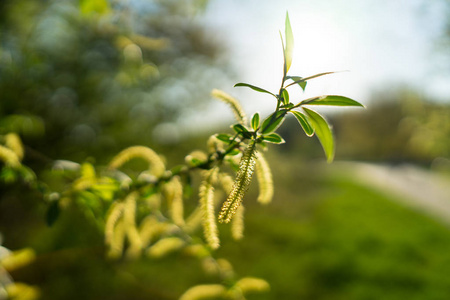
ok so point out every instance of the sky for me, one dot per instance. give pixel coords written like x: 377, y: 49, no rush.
x: 377, y: 46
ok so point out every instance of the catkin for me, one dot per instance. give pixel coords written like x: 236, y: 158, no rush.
x: 194, y: 220
x: 174, y: 194
x: 13, y: 142
x: 165, y: 246
x: 214, y: 144
x: 156, y: 164
x: 117, y: 241
x: 226, y: 181
x: 129, y: 217
x: 240, y: 185
x: 237, y: 224
x: 252, y: 284
x: 147, y: 229
x: 9, y: 157
x: 233, y: 103
x: 115, y: 212
x: 206, y: 194
x: 204, y: 291
x: 265, y: 182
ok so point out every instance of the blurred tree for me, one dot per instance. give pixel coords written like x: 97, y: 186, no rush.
x: 401, y: 127
x: 94, y: 76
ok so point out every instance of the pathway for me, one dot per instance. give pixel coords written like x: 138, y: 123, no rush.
x: 415, y: 187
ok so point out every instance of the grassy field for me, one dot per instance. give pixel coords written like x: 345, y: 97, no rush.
x: 352, y: 243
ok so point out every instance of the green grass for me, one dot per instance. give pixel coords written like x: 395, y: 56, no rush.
x: 354, y: 244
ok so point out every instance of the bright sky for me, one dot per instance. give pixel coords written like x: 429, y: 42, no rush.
x: 379, y: 44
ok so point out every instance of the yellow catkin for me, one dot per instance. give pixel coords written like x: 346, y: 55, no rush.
x: 129, y: 218
x: 117, y: 241
x: 22, y: 291
x: 214, y: 144
x: 147, y: 229
x: 237, y: 224
x: 9, y: 157
x: 196, y: 250
x: 174, y: 194
x: 233, y: 103
x: 204, y: 291
x: 226, y: 181
x: 114, y: 213
x: 13, y: 142
x: 194, y: 220
x: 151, y: 229
x: 265, y: 182
x: 252, y: 285
x: 156, y: 164
x: 225, y: 268
x: 206, y: 195
x: 165, y: 246
x: 240, y: 185
x: 154, y: 201
x: 195, y: 157
x: 18, y: 259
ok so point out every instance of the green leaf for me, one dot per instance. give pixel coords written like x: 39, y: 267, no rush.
x: 234, y: 152
x: 318, y: 75
x: 224, y: 137
x: 53, y: 212
x: 289, y: 43
x: 301, y: 118
x: 255, y: 121
x: 297, y: 80
x: 332, y: 100
x: 284, y: 56
x: 323, y: 132
x: 239, y: 128
x: 273, y: 138
x: 258, y: 89
x: 285, y: 96
x: 300, y: 80
x: 272, y: 122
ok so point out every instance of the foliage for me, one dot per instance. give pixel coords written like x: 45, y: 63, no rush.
x: 418, y: 130
x: 142, y: 211
x: 86, y: 78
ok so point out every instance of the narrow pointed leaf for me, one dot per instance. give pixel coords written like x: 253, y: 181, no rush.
x: 255, y: 121
x: 255, y: 88
x: 284, y: 55
x: 239, y: 128
x: 323, y: 132
x: 289, y: 43
x: 224, y: 137
x: 273, y: 138
x: 285, y: 96
x: 298, y: 80
x: 318, y: 75
x: 272, y: 122
x: 301, y: 118
x: 332, y: 100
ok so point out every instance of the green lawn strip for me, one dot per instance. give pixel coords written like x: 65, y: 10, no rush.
x: 356, y: 244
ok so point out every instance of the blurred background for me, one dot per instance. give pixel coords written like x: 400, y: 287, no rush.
x: 82, y: 80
